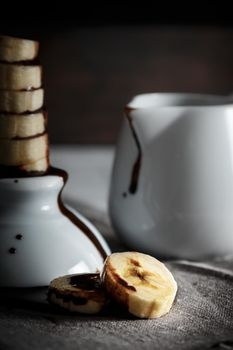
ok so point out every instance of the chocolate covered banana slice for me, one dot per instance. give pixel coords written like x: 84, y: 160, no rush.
x: 21, y: 101
x: 141, y: 283
x: 17, y: 49
x: 23, y: 151
x: 38, y: 166
x: 78, y: 293
x: 20, y: 76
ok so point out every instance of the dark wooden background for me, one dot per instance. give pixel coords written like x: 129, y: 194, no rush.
x: 92, y: 69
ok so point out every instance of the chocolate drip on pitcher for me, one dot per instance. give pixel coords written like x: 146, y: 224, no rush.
x: 137, y: 165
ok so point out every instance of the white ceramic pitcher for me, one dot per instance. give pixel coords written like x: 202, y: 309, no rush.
x: 172, y: 183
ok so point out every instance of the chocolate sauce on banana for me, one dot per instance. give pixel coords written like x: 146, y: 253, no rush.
x: 29, y: 137
x: 29, y: 88
x: 87, y: 281
x: 26, y: 113
x: 77, y: 300
x: 88, y: 285
x: 34, y: 62
x: 123, y: 282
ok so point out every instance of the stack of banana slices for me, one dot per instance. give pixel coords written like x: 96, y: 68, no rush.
x: 138, y: 282
x: 23, y: 122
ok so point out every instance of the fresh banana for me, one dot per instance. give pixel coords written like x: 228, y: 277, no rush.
x: 78, y: 293
x: 21, y: 101
x: 23, y: 151
x: 141, y: 283
x: 21, y: 126
x: 20, y: 76
x: 16, y: 49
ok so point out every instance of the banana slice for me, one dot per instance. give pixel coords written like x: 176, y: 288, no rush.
x: 20, y: 76
x: 16, y: 49
x: 141, y: 283
x: 24, y: 151
x: 39, y: 166
x: 78, y: 293
x: 21, y: 101
x: 21, y: 126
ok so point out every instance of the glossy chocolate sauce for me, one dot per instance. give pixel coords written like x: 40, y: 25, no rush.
x: 137, y: 165
x: 73, y: 218
x: 87, y: 281
x: 77, y: 300
x: 91, y: 285
x: 34, y: 62
x: 25, y: 113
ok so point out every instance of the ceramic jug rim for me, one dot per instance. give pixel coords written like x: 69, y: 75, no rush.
x: 180, y: 100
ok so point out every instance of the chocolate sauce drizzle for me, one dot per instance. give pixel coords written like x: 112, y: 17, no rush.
x: 137, y: 165
x: 77, y: 300
x: 73, y: 218
x: 34, y: 62
x: 25, y: 113
x: 87, y: 281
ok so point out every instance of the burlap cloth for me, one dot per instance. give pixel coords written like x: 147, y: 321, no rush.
x: 201, y: 318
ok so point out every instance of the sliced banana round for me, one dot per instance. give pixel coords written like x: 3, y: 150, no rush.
x: 17, y: 49
x: 141, y: 283
x: 78, y: 293
x: 20, y: 76
x: 23, y: 125
x: 21, y: 101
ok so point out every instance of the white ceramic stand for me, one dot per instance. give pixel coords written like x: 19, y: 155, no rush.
x: 41, y: 239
